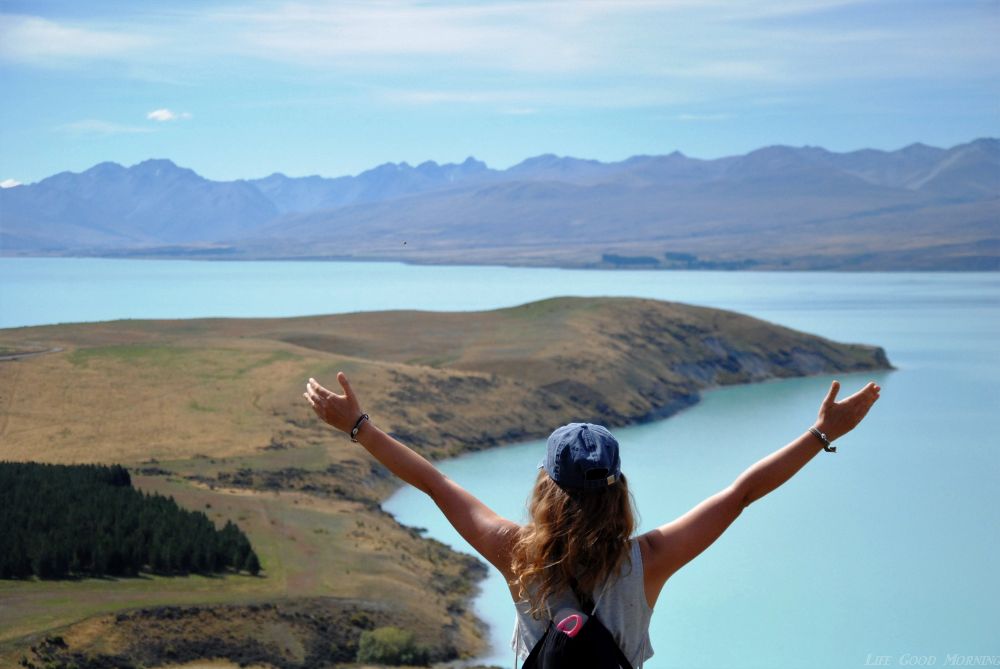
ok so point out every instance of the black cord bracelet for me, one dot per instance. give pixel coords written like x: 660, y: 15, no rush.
x: 357, y: 426
x: 826, y: 440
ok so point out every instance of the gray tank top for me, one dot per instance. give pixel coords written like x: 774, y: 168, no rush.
x: 620, y: 604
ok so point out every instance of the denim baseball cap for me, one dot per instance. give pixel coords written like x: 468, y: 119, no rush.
x: 582, y: 456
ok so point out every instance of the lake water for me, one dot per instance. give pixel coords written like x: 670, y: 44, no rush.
x: 883, y: 553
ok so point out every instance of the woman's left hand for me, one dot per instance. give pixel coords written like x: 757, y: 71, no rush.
x: 340, y: 411
x: 838, y: 418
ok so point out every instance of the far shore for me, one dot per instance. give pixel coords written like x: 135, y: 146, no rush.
x: 461, y: 258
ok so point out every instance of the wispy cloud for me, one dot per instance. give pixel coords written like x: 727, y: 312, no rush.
x: 785, y: 41
x: 537, y: 55
x: 731, y: 70
x: 463, y: 97
x: 507, y: 36
x: 778, y: 40
x: 100, y: 128
x: 9, y: 183
x: 529, y: 100
x: 165, y: 115
x: 703, y: 117
x: 37, y: 40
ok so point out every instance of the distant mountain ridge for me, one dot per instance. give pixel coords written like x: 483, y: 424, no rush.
x: 778, y: 207
x: 384, y: 182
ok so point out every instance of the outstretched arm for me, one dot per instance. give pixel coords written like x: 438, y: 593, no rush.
x: 490, y: 534
x: 669, y: 547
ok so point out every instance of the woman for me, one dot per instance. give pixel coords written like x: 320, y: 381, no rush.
x: 577, y: 554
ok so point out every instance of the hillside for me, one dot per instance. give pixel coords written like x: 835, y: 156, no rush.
x: 210, y: 412
x: 779, y: 207
x: 447, y: 382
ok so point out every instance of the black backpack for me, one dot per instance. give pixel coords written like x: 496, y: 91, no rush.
x: 592, y: 647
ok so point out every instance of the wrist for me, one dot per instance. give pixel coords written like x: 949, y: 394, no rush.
x: 366, y: 430
x: 822, y: 438
x: 828, y: 429
x: 358, y: 426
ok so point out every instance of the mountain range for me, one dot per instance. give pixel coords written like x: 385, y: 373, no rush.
x: 779, y: 207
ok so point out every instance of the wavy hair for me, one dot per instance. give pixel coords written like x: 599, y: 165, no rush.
x: 575, y: 539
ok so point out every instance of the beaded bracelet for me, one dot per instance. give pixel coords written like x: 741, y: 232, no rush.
x: 825, y: 439
x: 357, y: 426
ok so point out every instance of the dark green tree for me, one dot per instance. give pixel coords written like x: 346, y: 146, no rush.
x: 58, y: 521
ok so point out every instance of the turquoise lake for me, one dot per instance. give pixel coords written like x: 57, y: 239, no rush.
x: 883, y: 554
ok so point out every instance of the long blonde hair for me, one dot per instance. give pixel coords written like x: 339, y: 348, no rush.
x: 575, y: 539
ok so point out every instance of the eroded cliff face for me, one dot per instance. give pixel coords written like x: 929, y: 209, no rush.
x: 449, y: 383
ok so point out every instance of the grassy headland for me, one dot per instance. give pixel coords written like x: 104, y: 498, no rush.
x: 210, y: 411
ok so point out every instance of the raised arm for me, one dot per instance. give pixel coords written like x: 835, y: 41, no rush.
x: 669, y: 547
x: 490, y: 534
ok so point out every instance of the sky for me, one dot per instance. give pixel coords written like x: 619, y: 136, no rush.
x: 244, y: 89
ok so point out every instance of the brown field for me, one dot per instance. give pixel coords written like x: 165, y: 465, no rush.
x: 211, y: 410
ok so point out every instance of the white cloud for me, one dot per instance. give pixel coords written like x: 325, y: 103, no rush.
x: 36, y: 40
x: 708, y: 39
x: 501, y: 35
x: 163, y: 115
x: 9, y: 183
x: 97, y: 127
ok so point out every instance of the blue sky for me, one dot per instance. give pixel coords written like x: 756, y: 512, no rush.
x: 243, y: 89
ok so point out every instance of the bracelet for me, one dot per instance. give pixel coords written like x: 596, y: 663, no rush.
x: 357, y: 426
x: 826, y: 440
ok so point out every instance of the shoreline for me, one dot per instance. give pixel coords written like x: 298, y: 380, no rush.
x: 778, y: 267
x: 664, y: 413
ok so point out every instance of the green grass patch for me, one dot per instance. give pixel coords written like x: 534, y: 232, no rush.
x: 277, y: 356
x: 207, y: 364
x: 158, y: 355
x: 434, y: 361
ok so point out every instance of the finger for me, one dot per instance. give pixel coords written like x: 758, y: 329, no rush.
x: 309, y: 399
x: 346, y: 385
x: 320, y: 390
x: 831, y: 396
x: 860, y: 397
x: 865, y: 401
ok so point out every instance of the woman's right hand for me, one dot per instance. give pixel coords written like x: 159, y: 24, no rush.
x: 340, y: 411
x: 838, y: 418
